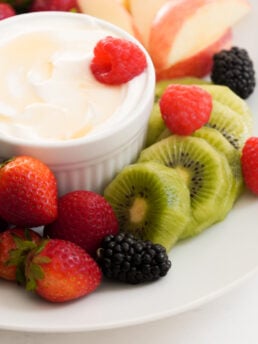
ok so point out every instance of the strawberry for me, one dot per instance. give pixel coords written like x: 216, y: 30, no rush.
x: 85, y: 218
x: 28, y: 192
x: 60, y: 271
x: 249, y: 161
x: 15, y: 244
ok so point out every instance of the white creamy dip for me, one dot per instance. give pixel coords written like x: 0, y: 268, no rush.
x: 47, y: 91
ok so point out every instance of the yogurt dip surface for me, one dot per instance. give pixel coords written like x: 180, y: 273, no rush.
x: 47, y: 91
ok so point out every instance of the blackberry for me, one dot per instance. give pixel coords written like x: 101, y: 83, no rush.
x: 127, y: 259
x: 3, y: 225
x: 234, y: 68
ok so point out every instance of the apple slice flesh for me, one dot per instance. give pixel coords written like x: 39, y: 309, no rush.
x: 110, y: 10
x: 198, y: 65
x: 182, y: 28
x: 143, y: 13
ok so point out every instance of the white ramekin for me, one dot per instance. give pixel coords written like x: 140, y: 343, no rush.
x: 90, y: 162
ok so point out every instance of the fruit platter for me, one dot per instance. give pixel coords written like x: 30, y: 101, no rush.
x: 203, y: 243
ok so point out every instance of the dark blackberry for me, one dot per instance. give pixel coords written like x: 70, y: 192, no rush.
x: 234, y: 68
x: 3, y: 225
x: 127, y: 259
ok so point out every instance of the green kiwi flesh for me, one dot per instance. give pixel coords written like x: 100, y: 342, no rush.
x: 218, y: 141
x: 226, y: 96
x: 151, y: 201
x: 205, y: 171
x: 232, y: 126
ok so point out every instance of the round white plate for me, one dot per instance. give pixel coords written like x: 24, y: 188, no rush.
x: 202, y: 268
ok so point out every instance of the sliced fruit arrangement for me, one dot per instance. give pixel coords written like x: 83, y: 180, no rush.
x: 182, y: 183
x: 208, y: 161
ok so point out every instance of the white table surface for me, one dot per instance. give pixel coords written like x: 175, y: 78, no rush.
x: 230, y: 319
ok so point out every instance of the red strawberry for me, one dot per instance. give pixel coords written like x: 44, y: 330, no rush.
x: 249, y: 160
x: 60, y: 271
x: 28, y: 192
x: 85, y: 218
x: 6, y: 11
x: 15, y: 244
x: 117, y: 61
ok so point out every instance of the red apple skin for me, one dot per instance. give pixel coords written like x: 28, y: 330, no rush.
x: 164, y: 31
x: 198, y: 65
x: 169, y: 21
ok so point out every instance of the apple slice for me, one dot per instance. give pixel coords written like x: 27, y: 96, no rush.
x: 112, y: 11
x: 143, y: 13
x: 182, y: 28
x: 198, y: 65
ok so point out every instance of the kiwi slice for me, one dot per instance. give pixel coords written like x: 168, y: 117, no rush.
x: 221, y: 143
x: 226, y: 96
x: 232, y: 126
x: 151, y: 201
x: 205, y: 171
x: 156, y: 125
x: 218, y: 141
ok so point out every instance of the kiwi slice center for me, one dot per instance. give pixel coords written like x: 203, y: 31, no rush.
x: 138, y: 210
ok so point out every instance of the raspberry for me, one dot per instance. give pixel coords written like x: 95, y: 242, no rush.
x: 6, y: 11
x: 117, y: 61
x: 249, y: 160
x: 185, y: 108
x: 55, y: 5
x: 19, y: 6
x: 235, y: 69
